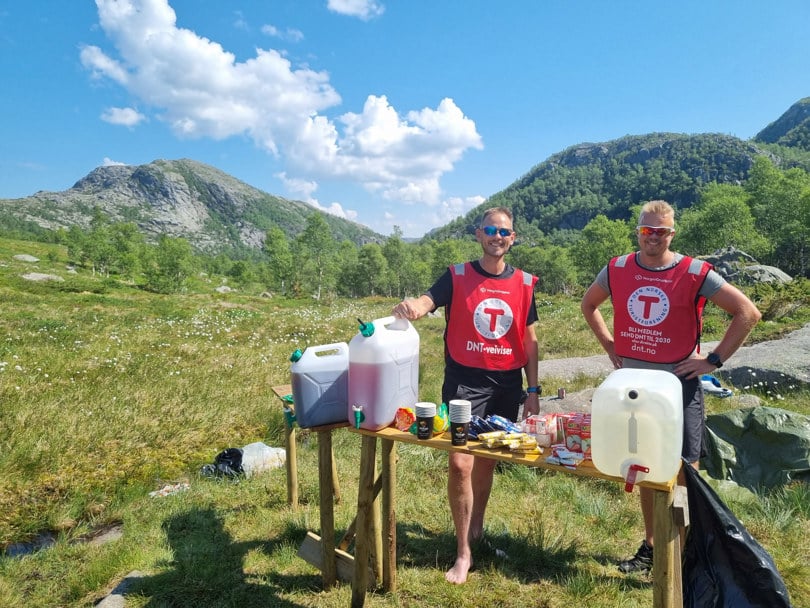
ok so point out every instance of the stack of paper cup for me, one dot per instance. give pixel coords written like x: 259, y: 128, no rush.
x: 425, y: 411
x: 460, y: 414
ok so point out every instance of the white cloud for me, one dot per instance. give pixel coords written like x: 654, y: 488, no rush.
x: 108, y: 162
x: 432, y: 217
x: 364, y: 9
x: 335, y: 209
x: 127, y: 117
x: 299, y: 187
x: 304, y: 189
x: 203, y: 92
x: 291, y: 34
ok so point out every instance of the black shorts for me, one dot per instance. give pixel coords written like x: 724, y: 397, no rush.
x: 498, y: 393
x: 694, y: 412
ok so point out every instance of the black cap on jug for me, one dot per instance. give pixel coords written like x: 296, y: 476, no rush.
x: 366, y: 329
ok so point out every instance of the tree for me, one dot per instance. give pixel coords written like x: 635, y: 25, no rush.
x: 780, y: 203
x: 280, y: 264
x: 169, y: 264
x: 372, y: 269
x: 601, y: 240
x: 127, y: 243
x: 242, y: 272
x: 551, y: 264
x: 721, y: 218
x: 315, y: 249
x: 397, y: 256
x: 348, y: 276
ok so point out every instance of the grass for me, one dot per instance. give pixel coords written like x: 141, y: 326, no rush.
x: 108, y: 393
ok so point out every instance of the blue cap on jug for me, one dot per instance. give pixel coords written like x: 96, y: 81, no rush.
x: 296, y: 356
x: 366, y: 329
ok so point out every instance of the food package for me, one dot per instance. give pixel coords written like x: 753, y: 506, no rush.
x: 404, y: 418
x: 543, y: 427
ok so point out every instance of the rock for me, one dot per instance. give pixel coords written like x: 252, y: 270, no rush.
x: 117, y: 597
x: 741, y: 269
x: 38, y: 276
x: 759, y: 273
x: 779, y: 366
x: 24, y: 257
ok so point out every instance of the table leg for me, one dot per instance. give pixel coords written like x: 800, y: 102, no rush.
x: 667, y: 584
x: 326, y: 481
x: 291, y: 463
x: 365, y: 504
x: 389, y: 501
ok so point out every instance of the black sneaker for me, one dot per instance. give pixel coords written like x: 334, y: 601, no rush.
x: 642, y: 561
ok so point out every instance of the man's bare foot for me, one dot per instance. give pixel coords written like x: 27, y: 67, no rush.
x: 458, y: 573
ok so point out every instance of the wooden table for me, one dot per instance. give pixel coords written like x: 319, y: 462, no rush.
x: 667, y: 592
x: 328, y: 487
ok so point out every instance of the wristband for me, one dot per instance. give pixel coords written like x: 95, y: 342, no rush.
x: 533, y: 389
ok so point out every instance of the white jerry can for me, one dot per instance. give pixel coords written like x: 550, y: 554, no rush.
x: 637, y: 425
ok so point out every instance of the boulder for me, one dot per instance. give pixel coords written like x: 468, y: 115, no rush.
x: 742, y: 269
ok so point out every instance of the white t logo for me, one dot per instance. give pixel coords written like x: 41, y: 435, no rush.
x: 648, y: 306
x: 493, y: 318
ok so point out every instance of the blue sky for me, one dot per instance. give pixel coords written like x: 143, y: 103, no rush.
x: 389, y: 113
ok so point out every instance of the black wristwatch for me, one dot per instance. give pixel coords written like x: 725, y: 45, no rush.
x: 714, y: 359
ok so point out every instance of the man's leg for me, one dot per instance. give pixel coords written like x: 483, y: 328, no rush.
x: 482, y: 476
x: 461, y: 498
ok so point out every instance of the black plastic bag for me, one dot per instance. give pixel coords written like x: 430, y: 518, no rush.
x: 723, y: 566
x: 228, y: 463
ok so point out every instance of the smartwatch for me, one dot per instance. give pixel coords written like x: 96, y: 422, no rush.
x: 714, y: 359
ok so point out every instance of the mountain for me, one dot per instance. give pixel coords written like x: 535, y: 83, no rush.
x: 563, y: 193
x: 182, y: 198
x: 558, y: 197
x: 792, y: 129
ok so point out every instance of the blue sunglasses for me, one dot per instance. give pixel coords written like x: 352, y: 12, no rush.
x: 493, y: 230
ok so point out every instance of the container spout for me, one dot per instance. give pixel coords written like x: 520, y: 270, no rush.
x: 359, y: 416
x: 630, y: 479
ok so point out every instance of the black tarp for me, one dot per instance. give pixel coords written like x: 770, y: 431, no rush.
x: 723, y: 566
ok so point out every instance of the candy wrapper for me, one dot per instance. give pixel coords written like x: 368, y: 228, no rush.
x: 404, y: 418
x: 441, y: 421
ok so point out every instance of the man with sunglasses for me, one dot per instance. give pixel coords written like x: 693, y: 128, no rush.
x: 490, y: 343
x: 658, y: 297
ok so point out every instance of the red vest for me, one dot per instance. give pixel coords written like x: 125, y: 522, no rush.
x: 657, y: 314
x: 487, y: 320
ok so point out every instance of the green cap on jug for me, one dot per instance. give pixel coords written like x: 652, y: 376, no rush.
x: 297, y: 354
x: 366, y: 329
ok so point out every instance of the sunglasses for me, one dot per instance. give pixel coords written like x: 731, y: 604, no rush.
x: 657, y: 231
x: 493, y: 230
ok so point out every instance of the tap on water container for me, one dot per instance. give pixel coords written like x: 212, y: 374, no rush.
x: 320, y: 379
x: 637, y: 424
x: 383, y: 372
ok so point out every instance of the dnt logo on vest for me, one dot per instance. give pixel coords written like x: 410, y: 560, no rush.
x: 493, y: 318
x: 648, y: 305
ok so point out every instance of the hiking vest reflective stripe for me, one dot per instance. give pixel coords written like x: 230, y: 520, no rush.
x: 657, y: 314
x: 487, y: 321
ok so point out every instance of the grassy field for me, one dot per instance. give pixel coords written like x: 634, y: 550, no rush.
x: 108, y: 393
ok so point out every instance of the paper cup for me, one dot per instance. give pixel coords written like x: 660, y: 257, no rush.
x: 460, y: 411
x: 425, y: 412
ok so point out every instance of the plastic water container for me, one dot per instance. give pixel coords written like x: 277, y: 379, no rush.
x: 320, y: 384
x: 383, y: 372
x: 637, y: 419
